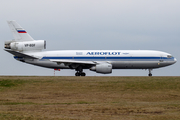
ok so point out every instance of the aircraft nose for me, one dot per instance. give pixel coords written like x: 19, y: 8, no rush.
x: 175, y: 60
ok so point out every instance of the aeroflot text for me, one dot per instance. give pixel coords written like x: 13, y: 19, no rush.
x: 103, y: 53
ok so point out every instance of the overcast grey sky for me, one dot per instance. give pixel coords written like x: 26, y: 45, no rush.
x: 93, y: 24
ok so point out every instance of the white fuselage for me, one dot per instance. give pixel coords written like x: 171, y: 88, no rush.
x: 120, y: 59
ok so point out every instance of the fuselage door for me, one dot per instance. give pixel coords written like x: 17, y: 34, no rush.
x: 161, y: 59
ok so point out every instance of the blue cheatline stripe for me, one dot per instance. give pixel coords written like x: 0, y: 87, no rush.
x: 17, y: 57
x: 156, y: 58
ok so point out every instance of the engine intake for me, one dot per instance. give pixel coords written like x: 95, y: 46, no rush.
x: 104, y: 68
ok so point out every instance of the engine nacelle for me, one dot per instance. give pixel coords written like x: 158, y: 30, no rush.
x: 104, y: 68
x: 26, y: 45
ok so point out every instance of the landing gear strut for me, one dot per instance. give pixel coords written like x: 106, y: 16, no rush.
x: 80, y: 71
x: 150, y: 72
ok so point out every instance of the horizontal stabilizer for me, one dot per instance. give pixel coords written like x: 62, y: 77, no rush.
x: 18, y: 54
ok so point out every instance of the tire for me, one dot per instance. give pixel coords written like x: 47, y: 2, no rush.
x: 77, y: 74
x: 150, y: 75
x: 83, y: 74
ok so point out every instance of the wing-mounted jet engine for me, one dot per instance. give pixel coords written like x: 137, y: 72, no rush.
x: 104, y: 68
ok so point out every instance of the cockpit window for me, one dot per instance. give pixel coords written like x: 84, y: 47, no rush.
x: 169, y: 56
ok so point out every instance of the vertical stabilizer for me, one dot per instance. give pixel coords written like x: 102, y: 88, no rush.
x: 19, y: 33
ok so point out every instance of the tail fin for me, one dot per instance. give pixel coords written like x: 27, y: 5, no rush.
x: 18, y: 32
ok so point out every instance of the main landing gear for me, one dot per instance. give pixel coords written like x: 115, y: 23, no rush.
x: 80, y: 71
x: 150, y: 72
x: 80, y: 74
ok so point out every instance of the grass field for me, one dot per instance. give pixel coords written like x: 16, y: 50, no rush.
x: 89, y: 98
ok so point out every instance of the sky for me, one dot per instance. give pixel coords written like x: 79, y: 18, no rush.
x: 93, y: 25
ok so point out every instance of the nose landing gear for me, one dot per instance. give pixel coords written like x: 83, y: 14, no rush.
x: 150, y: 72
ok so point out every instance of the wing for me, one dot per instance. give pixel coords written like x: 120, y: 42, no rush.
x: 18, y: 54
x: 73, y: 62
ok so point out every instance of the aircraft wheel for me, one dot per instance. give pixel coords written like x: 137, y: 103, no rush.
x: 150, y: 75
x: 83, y: 74
x: 77, y: 74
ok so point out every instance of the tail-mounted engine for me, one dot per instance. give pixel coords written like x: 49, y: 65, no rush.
x: 36, y: 45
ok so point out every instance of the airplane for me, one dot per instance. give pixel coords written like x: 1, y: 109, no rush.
x: 26, y: 49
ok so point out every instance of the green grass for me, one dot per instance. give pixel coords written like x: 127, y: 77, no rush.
x: 142, y: 98
x: 10, y: 83
x: 16, y: 103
